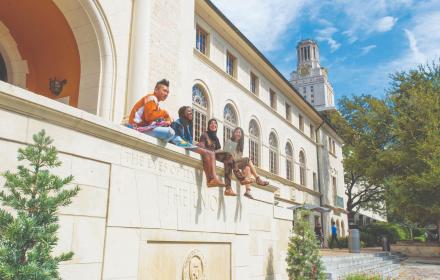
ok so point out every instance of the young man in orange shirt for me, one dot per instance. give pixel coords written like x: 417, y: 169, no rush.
x: 146, y: 112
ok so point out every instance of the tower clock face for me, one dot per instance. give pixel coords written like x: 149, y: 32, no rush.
x: 304, y: 70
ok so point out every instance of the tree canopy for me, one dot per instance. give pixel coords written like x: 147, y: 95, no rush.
x: 392, y: 146
x: 28, y: 229
x: 414, y: 181
x: 363, y: 123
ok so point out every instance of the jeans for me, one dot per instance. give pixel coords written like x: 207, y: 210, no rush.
x: 165, y: 133
x: 228, y: 162
x: 334, y: 238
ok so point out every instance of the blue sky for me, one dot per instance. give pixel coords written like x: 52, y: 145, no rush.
x: 361, y: 42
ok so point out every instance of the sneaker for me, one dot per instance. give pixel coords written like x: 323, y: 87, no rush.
x: 185, y: 144
x: 248, y: 194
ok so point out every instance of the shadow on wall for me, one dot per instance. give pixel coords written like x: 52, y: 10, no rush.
x: 238, y: 205
x: 221, y: 207
x: 199, y: 183
x: 270, y: 274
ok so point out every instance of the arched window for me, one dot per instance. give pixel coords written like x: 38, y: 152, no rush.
x: 302, y: 168
x: 289, y: 162
x: 254, y: 142
x: 273, y: 153
x: 200, y: 111
x: 230, y: 121
x: 3, y: 72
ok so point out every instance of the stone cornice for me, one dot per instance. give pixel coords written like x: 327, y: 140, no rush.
x: 213, y: 16
x: 337, y: 210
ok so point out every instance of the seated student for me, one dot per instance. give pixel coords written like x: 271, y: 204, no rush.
x: 156, y: 122
x: 210, y: 141
x: 183, y: 127
x: 244, y: 163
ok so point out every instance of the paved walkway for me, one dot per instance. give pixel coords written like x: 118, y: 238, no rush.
x: 411, y: 269
x: 420, y: 269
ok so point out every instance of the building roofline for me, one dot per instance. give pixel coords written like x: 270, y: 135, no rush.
x: 307, y: 40
x: 255, y: 49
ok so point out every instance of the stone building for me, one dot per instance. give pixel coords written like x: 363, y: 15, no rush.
x: 144, y: 211
x: 311, y: 79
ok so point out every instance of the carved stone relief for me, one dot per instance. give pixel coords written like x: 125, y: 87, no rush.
x: 194, y: 267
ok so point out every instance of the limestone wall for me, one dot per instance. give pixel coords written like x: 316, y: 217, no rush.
x: 417, y: 249
x: 144, y: 211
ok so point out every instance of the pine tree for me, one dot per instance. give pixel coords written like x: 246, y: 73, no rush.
x: 28, y: 229
x: 303, y: 260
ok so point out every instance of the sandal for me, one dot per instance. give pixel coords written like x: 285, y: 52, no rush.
x: 248, y: 194
x: 229, y: 191
x: 239, y: 174
x: 261, y: 182
x: 247, y: 181
x: 215, y: 183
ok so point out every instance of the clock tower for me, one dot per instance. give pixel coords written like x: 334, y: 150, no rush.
x: 310, y: 78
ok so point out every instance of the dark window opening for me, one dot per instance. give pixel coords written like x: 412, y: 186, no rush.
x: 3, y: 72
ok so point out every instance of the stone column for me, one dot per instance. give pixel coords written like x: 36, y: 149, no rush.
x: 139, y: 53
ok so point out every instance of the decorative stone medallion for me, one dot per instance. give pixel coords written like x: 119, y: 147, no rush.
x: 194, y: 267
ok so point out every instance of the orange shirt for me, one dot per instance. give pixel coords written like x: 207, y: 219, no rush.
x: 146, y: 111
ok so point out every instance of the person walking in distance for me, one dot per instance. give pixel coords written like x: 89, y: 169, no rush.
x: 334, y: 235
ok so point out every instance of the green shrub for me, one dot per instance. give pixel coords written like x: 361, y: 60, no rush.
x: 343, y: 242
x: 361, y: 276
x: 373, y: 233
x: 303, y: 259
x: 29, y: 226
x: 417, y: 232
x: 420, y: 238
x: 363, y: 244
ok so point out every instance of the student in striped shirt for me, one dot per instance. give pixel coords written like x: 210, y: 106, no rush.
x: 147, y: 114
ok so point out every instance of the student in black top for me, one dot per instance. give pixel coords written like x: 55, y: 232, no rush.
x: 210, y: 141
x: 183, y: 127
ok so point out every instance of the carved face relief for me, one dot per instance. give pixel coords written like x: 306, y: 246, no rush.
x: 194, y: 267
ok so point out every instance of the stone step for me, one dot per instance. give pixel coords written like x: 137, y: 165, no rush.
x: 340, y: 264
x: 336, y: 259
x: 385, y: 264
x: 383, y: 269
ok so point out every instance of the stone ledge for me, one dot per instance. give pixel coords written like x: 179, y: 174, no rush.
x: 417, y: 250
x: 32, y: 105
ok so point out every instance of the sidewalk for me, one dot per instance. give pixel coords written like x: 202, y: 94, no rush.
x: 420, y: 269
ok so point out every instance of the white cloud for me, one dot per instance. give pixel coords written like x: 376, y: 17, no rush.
x: 422, y: 45
x: 263, y: 22
x: 363, y: 18
x: 326, y: 35
x: 351, y: 37
x: 423, y: 42
x: 415, y: 54
x: 384, y: 24
x: 367, y: 49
